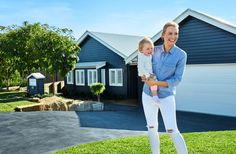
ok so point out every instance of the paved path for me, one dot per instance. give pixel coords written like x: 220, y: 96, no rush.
x: 44, y: 132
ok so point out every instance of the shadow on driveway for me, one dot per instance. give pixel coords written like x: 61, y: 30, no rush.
x: 132, y: 118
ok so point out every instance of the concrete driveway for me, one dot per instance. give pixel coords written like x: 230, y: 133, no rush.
x: 45, y: 132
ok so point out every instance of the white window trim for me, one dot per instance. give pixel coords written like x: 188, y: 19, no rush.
x: 78, y: 72
x: 116, y: 78
x: 71, y: 77
x: 103, y: 76
x: 92, y: 70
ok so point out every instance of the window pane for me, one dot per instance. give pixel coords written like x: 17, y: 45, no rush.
x: 69, y: 77
x: 113, y: 81
x: 94, y: 76
x: 90, y: 77
x: 77, y: 77
x: 119, y: 76
x: 82, y: 77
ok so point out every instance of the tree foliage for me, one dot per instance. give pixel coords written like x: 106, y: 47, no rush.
x: 33, y: 47
x: 97, y: 89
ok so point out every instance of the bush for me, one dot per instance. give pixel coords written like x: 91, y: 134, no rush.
x: 97, y: 89
x: 15, y: 79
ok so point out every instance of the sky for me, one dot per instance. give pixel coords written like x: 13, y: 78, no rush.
x: 131, y: 17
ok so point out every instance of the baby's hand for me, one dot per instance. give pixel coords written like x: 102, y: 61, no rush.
x: 144, y: 78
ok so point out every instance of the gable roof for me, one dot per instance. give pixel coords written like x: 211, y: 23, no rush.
x: 123, y: 45
x: 36, y: 75
x: 201, y: 16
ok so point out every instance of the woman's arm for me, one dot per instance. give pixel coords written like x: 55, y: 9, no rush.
x: 151, y: 82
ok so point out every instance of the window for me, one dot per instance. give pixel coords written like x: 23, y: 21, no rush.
x: 70, y: 77
x: 115, y: 77
x: 79, y: 77
x: 103, y: 77
x: 92, y: 76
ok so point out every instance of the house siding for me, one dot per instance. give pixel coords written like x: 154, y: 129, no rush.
x: 205, y: 43
x: 92, y: 51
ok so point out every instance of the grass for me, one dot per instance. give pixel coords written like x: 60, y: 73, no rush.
x: 221, y: 142
x: 9, y: 100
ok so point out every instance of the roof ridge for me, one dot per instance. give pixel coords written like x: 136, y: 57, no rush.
x: 212, y: 17
x: 115, y: 34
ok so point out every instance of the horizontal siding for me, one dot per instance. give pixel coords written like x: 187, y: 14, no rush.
x: 205, y: 43
x: 208, y: 89
x: 92, y: 50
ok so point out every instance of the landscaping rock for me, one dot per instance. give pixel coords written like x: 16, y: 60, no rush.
x: 35, y: 99
x: 55, y: 103
x: 28, y: 108
x: 86, y: 106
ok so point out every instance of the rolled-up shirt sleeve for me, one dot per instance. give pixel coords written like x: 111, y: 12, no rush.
x: 180, y: 68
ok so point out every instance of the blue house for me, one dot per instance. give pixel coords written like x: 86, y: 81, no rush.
x: 102, y: 59
x: 209, y: 82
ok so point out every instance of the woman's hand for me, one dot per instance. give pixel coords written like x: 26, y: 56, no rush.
x: 150, y: 82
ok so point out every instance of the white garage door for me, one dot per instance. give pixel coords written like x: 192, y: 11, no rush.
x: 208, y: 89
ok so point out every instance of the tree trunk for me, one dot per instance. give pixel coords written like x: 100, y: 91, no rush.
x: 98, y: 98
x: 8, y: 80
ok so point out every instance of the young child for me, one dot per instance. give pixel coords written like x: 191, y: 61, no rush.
x: 145, y: 63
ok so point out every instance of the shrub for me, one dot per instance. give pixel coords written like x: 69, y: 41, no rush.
x: 97, y: 89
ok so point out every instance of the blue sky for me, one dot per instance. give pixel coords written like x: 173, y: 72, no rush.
x: 134, y: 17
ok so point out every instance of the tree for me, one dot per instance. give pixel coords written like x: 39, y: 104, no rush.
x: 97, y: 89
x: 59, y: 49
x: 7, y: 61
x: 19, y: 48
x: 38, y: 46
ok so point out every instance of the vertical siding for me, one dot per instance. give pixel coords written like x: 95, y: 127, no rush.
x: 92, y: 51
x: 208, y: 89
x: 40, y: 86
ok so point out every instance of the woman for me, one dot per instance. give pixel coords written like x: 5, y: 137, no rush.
x: 168, y: 65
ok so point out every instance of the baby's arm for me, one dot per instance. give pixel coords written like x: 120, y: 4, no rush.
x: 142, y: 66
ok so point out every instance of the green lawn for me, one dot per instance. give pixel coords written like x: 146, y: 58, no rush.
x: 9, y: 100
x: 221, y: 142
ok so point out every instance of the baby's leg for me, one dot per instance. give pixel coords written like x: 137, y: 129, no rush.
x: 154, y: 93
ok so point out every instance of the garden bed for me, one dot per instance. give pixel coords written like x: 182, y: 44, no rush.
x: 55, y: 103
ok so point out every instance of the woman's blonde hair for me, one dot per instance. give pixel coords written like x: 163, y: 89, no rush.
x: 143, y: 41
x: 168, y: 24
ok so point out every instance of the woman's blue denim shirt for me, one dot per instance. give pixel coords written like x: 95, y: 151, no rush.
x: 167, y: 67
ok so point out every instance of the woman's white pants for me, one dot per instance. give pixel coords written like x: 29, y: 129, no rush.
x: 168, y: 112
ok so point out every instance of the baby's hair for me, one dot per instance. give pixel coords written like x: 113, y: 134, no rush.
x: 143, y: 41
